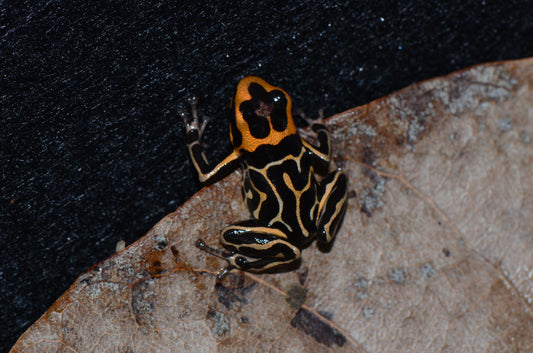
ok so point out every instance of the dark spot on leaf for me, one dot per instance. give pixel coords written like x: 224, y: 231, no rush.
x: 446, y: 252
x: 505, y: 124
x: 175, y: 251
x: 314, y: 326
x: 143, y: 301
x: 361, y: 283
x: 302, y: 275
x: 368, y: 156
x: 244, y: 319
x: 153, y: 264
x: 161, y: 243
x: 217, y: 321
x: 368, y: 311
x: 427, y: 270
x: 235, y: 290
x: 107, y: 269
x: 185, y: 313
x: 296, y: 296
x: 417, y: 127
x: 366, y: 211
x: 397, y: 275
x: 371, y: 198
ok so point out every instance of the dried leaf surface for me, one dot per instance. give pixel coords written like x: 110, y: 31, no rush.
x: 435, y: 254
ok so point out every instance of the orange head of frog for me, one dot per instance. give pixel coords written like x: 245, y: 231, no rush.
x: 262, y: 115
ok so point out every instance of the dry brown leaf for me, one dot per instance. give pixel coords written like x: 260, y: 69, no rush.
x: 435, y: 254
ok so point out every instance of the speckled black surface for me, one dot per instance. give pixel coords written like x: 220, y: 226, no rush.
x: 92, y: 151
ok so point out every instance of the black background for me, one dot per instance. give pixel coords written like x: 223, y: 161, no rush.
x: 92, y: 151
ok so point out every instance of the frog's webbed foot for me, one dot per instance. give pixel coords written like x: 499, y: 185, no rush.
x: 315, y: 124
x: 222, y: 254
x: 194, y: 123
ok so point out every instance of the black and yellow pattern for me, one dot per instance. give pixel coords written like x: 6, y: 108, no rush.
x: 289, y: 207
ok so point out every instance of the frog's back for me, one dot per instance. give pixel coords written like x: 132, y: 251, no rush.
x: 279, y: 188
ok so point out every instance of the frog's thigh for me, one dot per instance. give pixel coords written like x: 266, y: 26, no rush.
x: 257, y: 246
x: 333, y: 194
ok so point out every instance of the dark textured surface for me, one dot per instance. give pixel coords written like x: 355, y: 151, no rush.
x: 92, y: 151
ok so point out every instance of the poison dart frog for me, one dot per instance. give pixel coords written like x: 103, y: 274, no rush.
x: 289, y: 207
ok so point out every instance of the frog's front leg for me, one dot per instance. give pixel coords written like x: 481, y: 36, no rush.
x: 332, y: 193
x: 256, y: 247
x: 207, y: 173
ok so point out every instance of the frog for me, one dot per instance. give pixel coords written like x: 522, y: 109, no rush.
x: 290, y: 205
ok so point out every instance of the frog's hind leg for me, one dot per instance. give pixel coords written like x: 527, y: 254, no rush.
x: 332, y: 196
x: 257, y: 247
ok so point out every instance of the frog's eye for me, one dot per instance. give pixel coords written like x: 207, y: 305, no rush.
x: 278, y: 117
